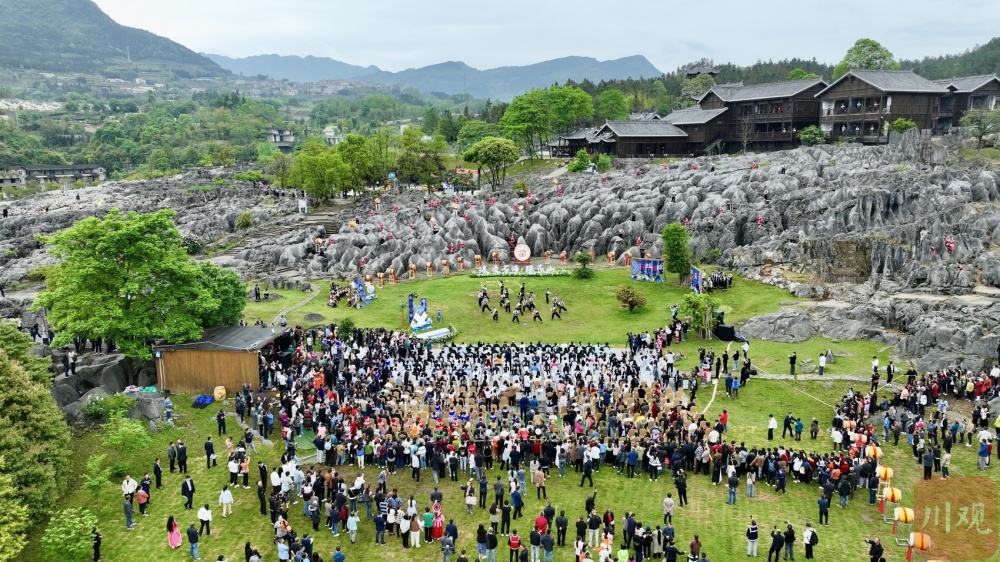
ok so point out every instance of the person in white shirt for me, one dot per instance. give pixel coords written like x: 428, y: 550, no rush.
x: 205, y: 518
x: 129, y: 486
x: 822, y: 363
x: 226, y: 501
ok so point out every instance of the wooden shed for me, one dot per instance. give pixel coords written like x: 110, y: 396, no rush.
x: 224, y: 356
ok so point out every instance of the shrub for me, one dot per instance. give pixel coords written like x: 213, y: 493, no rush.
x: 629, y: 297
x: 603, y: 163
x: 103, y: 409
x: 580, y: 163
x: 40, y: 273
x: 520, y: 188
x: 715, y: 254
x: 901, y: 125
x: 245, y: 220
x: 812, y: 135
x: 68, y: 536
x: 250, y: 175
x: 193, y: 245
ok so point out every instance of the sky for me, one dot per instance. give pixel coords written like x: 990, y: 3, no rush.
x: 399, y: 34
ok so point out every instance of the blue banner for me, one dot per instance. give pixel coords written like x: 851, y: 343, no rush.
x: 646, y: 269
x: 696, y: 280
x: 411, y: 308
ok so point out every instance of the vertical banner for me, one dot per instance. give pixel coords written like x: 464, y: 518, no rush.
x: 696, y: 280
x: 411, y: 307
x: 423, y: 307
x: 635, y: 269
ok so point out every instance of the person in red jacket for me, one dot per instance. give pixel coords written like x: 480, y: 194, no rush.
x: 514, y: 542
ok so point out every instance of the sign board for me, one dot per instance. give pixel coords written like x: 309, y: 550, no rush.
x: 697, y: 278
x: 647, y: 269
x: 303, y: 207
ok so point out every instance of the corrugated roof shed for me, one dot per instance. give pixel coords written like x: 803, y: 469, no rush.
x: 228, y: 338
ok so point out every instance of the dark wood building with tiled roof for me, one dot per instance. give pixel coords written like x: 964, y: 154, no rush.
x: 965, y: 93
x: 861, y: 104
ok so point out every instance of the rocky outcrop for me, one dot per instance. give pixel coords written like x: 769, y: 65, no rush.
x: 99, y: 375
x: 789, y: 325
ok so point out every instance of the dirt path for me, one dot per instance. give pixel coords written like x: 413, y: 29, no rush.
x: 313, y: 289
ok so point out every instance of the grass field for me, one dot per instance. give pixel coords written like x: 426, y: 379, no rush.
x: 720, y: 526
x: 593, y: 315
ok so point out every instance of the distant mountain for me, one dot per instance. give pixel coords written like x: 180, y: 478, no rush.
x: 448, y: 77
x: 508, y: 81
x: 294, y: 68
x: 75, y: 35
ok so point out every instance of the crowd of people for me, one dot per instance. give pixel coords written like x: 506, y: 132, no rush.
x: 524, y: 305
x: 499, y: 420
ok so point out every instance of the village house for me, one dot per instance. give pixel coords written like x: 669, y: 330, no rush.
x: 969, y: 92
x: 19, y: 176
x: 281, y: 138
x: 862, y: 103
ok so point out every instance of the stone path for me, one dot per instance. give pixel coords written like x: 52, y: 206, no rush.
x: 556, y: 173
x: 313, y: 289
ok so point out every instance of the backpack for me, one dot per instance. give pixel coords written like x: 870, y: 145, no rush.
x: 814, y: 539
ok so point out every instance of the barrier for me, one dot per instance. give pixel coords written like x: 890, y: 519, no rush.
x: 413, y: 271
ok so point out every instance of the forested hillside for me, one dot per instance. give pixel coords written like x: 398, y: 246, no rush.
x: 75, y: 35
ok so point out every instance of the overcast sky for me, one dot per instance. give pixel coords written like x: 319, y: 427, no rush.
x: 399, y: 34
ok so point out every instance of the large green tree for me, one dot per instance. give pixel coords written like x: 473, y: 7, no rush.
x: 694, y: 88
x: 128, y: 278
x: 356, y: 153
x: 227, y: 287
x: 494, y: 154
x: 473, y: 132
x: 866, y: 54
x: 319, y: 170
x: 611, y: 105
x: 569, y: 107
x: 676, y: 251
x: 34, y: 439
x: 528, y: 120
x: 799, y: 74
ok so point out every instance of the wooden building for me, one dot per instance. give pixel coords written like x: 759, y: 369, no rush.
x: 704, y: 127
x: 224, y: 356
x: 965, y: 93
x: 766, y: 116
x: 642, y: 139
x: 861, y: 104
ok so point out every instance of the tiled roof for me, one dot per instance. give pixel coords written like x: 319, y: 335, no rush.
x: 693, y: 116
x: 772, y: 90
x: 892, y: 81
x: 643, y: 129
x: 965, y: 84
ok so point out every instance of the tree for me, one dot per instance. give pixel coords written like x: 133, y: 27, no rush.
x: 320, y: 170
x: 228, y: 288
x: 748, y: 131
x: 127, y: 279
x: 494, y: 154
x: 799, y: 74
x: 97, y: 477
x: 696, y: 87
x: 980, y: 123
x: 676, y: 250
x: 630, y: 297
x: 34, y: 439
x: 473, y: 132
x: 699, y: 308
x: 901, y: 125
x: 13, y: 518
x: 569, y: 106
x: 279, y: 167
x: 125, y: 435
x: 583, y: 259
x: 68, y: 535
x: 866, y: 54
x: 812, y: 135
x: 527, y: 120
x: 611, y: 105
x: 18, y: 346
x: 355, y: 152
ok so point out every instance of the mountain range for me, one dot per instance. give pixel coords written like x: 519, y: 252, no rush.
x: 448, y: 77
x: 76, y: 35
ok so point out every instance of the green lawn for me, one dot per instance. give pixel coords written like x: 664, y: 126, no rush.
x: 719, y: 525
x: 593, y: 315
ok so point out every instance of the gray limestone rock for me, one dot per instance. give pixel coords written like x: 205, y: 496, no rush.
x: 789, y: 325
